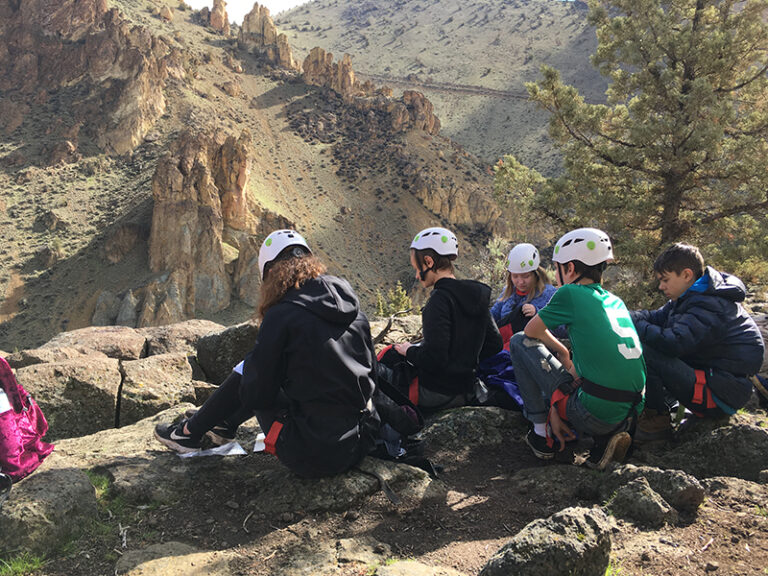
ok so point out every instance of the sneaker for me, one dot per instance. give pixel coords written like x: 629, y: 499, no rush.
x: 172, y: 435
x: 609, y: 449
x: 5, y: 487
x: 653, y: 426
x: 220, y: 434
x: 538, y: 444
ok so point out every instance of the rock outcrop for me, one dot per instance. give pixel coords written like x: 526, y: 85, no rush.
x: 258, y: 33
x: 219, y: 20
x: 201, y: 223
x: 198, y: 189
x: 639, y: 503
x: 411, y: 112
x: 52, y: 55
x: 575, y: 541
x: 319, y: 69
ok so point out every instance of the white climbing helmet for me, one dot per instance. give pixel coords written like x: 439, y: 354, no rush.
x: 523, y: 258
x: 275, y: 243
x: 588, y: 245
x: 440, y: 240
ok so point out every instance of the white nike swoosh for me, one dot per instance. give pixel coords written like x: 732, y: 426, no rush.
x: 175, y: 436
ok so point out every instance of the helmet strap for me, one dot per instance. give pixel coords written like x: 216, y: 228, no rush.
x: 560, y: 275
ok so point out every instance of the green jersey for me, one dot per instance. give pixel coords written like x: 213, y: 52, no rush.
x: 606, y: 348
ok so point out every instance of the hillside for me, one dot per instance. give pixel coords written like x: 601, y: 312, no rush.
x: 106, y: 106
x: 471, y: 59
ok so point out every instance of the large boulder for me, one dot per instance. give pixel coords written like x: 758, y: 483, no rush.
x: 142, y: 470
x: 50, y: 355
x: 637, y: 502
x: 153, y: 384
x: 119, y: 342
x: 219, y: 352
x: 181, y: 337
x: 46, y: 509
x: 682, y: 491
x: 575, y: 541
x: 78, y: 396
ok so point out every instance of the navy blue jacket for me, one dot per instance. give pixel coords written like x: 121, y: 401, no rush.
x: 708, y: 329
x: 314, y: 348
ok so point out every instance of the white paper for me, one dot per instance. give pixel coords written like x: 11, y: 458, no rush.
x: 5, y: 405
x: 231, y: 449
x: 259, y: 445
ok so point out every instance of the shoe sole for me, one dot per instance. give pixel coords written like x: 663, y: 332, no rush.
x: 616, y: 450
x: 538, y: 453
x: 176, y: 447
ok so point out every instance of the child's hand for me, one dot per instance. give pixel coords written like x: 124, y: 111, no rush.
x: 402, y: 347
x: 560, y: 429
x: 529, y: 310
x: 565, y: 360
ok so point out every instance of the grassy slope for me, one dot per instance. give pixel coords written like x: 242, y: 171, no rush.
x: 481, y: 44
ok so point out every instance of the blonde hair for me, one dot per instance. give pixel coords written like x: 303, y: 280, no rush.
x: 542, y: 279
x: 284, y: 275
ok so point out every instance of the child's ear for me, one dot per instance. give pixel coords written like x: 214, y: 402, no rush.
x: 428, y: 261
x: 688, y: 275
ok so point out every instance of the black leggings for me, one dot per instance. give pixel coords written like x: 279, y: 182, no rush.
x: 225, y: 408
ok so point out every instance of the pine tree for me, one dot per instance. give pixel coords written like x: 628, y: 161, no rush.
x: 678, y: 151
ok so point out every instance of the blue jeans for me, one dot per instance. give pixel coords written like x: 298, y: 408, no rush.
x: 539, y: 373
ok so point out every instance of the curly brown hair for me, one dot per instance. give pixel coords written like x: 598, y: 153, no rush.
x: 284, y: 275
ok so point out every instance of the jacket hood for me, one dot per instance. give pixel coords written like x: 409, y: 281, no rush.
x: 471, y: 296
x: 327, y: 297
x: 725, y: 285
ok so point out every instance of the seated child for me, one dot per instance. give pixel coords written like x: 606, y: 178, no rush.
x: 701, y: 347
x: 310, y: 376
x: 456, y: 322
x: 600, y: 391
x: 527, y: 291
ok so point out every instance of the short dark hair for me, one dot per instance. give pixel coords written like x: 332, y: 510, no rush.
x: 441, y: 262
x: 678, y: 257
x: 594, y: 272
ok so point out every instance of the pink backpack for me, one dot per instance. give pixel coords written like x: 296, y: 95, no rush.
x: 21, y: 429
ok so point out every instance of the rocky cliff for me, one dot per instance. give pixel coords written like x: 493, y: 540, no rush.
x: 259, y: 33
x: 100, y: 76
x: 134, y: 195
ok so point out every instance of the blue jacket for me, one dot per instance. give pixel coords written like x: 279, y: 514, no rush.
x: 706, y: 327
x: 501, y: 308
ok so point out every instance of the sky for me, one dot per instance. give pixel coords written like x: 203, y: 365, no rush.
x: 237, y: 9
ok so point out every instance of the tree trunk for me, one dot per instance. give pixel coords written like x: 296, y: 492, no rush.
x: 672, y: 200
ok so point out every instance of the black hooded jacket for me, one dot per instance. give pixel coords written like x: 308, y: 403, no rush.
x: 458, y: 332
x: 314, y: 347
x: 708, y: 329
